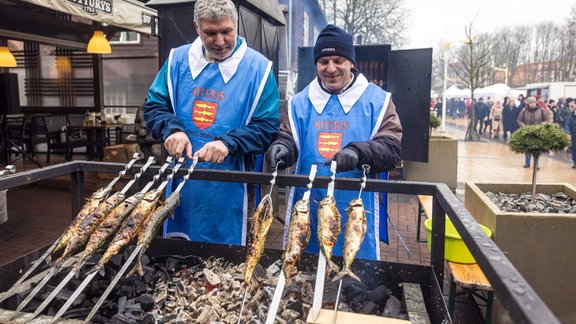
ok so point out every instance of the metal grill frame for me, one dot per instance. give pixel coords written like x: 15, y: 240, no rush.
x: 519, y: 298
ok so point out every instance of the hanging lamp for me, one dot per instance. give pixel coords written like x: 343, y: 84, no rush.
x: 6, y: 58
x: 98, y: 44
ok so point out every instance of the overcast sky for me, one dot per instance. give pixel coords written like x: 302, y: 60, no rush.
x: 433, y: 20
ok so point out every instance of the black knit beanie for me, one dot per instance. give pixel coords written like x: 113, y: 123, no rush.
x: 333, y: 40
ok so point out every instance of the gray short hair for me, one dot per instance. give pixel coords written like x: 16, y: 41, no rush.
x: 215, y: 9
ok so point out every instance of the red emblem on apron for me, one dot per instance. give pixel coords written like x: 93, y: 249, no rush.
x: 329, y: 144
x: 204, y: 113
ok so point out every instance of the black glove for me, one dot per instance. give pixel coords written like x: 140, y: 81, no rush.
x: 277, y: 153
x: 347, y: 159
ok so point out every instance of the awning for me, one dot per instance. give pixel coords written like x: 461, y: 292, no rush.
x: 127, y: 14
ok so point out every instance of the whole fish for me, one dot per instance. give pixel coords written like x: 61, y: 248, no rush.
x: 353, y: 237
x: 298, y: 236
x: 146, y: 235
x: 94, y: 201
x: 328, y: 228
x: 131, y: 225
x: 89, y: 224
x: 109, y: 225
x: 261, y: 221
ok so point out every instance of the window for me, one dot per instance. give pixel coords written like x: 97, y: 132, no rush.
x: 128, y: 37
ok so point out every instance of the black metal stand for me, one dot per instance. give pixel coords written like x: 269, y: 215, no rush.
x: 8, y: 144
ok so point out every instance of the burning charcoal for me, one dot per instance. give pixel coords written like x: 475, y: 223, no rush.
x: 168, y: 319
x: 116, y: 260
x: 211, y: 277
x: 369, y: 308
x: 207, y: 315
x: 172, y: 264
x: 380, y: 295
x: 146, y: 302
x: 393, y: 307
x: 355, y: 293
x: 100, y: 319
x: 149, y: 318
x: 259, y: 272
x: 140, y: 286
x: 289, y: 315
x: 126, y: 290
x: 120, y: 319
x: 121, y: 304
x: 148, y: 276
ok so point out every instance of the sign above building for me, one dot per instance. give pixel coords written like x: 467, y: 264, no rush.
x: 128, y: 14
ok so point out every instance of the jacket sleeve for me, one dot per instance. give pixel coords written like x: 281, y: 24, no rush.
x: 384, y: 151
x: 158, y: 111
x: 262, y: 129
x: 520, y: 119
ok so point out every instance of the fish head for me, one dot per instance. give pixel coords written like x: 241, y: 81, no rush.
x: 327, y: 201
x: 356, y: 203
x: 302, y: 206
x: 101, y: 193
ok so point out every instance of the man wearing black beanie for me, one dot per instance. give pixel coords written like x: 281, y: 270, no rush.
x: 340, y: 116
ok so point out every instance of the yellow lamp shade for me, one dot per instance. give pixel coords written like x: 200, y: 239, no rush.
x: 6, y: 58
x: 98, y: 44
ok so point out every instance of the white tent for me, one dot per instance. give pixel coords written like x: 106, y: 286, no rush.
x: 455, y: 92
x: 495, y: 91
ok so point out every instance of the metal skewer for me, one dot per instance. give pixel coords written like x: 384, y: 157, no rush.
x: 273, y: 309
x: 79, y: 266
x: 55, y: 270
x: 365, y: 170
x: 35, y: 264
x: 321, y: 270
x: 139, y: 246
x: 268, y: 196
x: 91, y: 276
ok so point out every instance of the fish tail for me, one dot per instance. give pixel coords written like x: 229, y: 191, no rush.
x: 332, y: 267
x: 344, y: 273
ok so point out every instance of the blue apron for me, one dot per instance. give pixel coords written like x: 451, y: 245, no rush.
x: 213, y: 211
x: 319, y: 137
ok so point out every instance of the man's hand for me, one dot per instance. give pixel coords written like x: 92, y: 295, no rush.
x: 214, y: 152
x: 177, y: 143
x: 277, y: 153
x: 347, y: 159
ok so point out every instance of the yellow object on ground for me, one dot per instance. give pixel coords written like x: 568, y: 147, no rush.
x: 455, y: 249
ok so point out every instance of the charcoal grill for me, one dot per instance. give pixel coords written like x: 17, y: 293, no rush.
x: 523, y: 304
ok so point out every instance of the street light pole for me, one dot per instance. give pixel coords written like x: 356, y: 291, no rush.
x: 446, y: 58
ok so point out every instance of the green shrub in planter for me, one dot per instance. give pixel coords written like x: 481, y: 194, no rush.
x: 537, y: 139
x: 434, y: 122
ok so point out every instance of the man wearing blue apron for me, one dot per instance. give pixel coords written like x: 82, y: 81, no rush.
x: 215, y: 99
x: 341, y: 116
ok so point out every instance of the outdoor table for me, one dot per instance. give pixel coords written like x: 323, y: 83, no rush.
x: 99, y: 137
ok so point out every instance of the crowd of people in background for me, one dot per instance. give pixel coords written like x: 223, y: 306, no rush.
x: 500, y: 118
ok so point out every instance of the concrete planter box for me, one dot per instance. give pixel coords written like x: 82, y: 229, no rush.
x: 540, y: 245
x: 442, y: 163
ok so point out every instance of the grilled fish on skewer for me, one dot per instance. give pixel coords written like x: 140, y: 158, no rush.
x: 132, y: 225
x: 146, y: 235
x: 94, y: 201
x: 298, y: 236
x: 353, y: 237
x: 261, y: 221
x: 328, y: 228
x: 109, y: 225
x: 89, y: 224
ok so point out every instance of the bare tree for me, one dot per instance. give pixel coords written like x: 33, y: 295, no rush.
x: 377, y: 22
x: 509, y: 44
x: 473, y: 66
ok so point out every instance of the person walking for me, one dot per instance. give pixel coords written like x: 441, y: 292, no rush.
x: 215, y: 99
x: 481, y: 112
x: 509, y: 118
x: 532, y: 114
x: 496, y: 117
x: 340, y: 117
